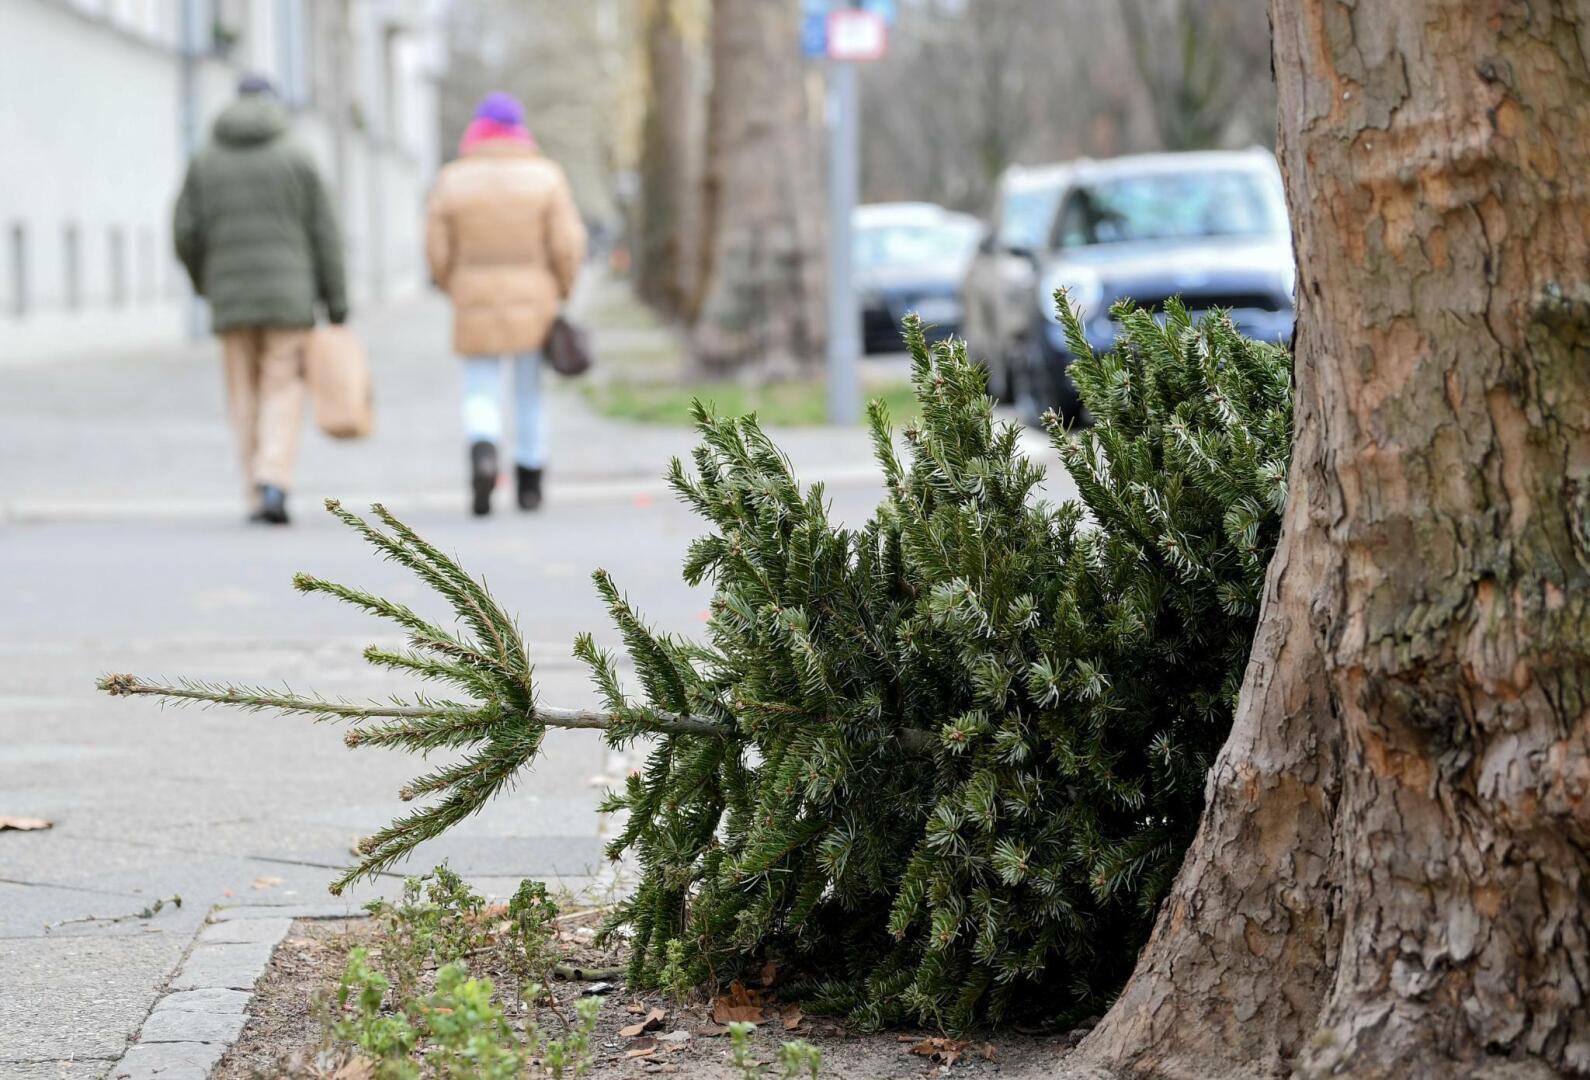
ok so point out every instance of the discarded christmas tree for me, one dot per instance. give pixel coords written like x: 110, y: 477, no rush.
x: 941, y: 767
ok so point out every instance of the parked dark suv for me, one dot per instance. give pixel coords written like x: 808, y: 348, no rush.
x: 1209, y: 227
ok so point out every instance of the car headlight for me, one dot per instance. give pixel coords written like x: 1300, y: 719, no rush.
x: 1083, y: 287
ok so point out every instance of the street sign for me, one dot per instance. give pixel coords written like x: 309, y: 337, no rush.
x: 855, y: 34
x: 814, y: 34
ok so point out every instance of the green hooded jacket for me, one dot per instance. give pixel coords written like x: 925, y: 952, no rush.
x: 255, y: 227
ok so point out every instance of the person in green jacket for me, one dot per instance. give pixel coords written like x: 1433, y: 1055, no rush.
x: 256, y: 230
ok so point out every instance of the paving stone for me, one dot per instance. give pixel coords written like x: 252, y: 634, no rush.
x: 192, y: 1025
x: 245, y: 931
x: 237, y: 967
x: 168, y: 1061
x: 211, y: 999
x: 76, y: 998
x: 64, y: 1069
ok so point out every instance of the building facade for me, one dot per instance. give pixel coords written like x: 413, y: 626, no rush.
x: 101, y: 102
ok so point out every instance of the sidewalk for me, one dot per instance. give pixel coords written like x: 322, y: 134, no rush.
x: 120, y: 523
x: 144, y: 437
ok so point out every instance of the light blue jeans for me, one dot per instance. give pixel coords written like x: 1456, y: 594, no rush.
x: 483, y: 402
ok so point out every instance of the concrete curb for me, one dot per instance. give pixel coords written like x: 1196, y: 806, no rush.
x: 26, y: 511
x: 206, y: 1003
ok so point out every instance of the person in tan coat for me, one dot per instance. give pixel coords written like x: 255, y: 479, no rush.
x: 505, y: 242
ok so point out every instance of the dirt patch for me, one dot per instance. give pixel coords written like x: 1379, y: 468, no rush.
x: 631, y: 1040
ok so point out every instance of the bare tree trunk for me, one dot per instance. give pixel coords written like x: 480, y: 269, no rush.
x: 1393, y: 874
x: 759, y: 293
x: 670, y: 163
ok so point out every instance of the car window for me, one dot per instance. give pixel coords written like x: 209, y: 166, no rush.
x: 914, y: 245
x: 1171, y: 206
x: 1026, y: 215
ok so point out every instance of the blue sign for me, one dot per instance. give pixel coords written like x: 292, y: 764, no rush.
x: 814, y: 20
x: 814, y: 35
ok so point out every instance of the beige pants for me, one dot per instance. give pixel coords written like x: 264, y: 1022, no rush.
x: 265, y: 396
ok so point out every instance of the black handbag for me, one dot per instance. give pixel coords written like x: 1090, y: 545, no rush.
x: 568, y: 348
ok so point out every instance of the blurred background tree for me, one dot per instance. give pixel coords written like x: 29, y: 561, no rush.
x: 758, y: 295
x: 691, y: 129
x: 1205, y: 67
x: 971, y: 87
x: 666, y: 245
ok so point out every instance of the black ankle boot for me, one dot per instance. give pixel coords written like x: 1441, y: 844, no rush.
x: 483, y: 476
x: 272, y: 508
x: 529, y: 488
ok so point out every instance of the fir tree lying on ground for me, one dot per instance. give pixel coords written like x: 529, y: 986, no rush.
x: 942, y: 767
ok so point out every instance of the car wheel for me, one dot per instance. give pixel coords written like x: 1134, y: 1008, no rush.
x: 1026, y: 394
x: 1000, y: 382
x: 1068, y: 403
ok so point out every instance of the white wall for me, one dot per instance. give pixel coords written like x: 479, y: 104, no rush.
x: 75, y: 161
x: 91, y: 131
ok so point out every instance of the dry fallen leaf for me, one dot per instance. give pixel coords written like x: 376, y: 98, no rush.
x: 24, y: 824
x: 653, y: 1020
x: 738, y: 1005
x: 792, y: 1018
x: 944, y: 1051
x: 267, y: 882
x: 642, y: 1049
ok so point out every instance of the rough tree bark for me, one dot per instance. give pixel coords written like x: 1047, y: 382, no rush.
x: 670, y: 162
x: 759, y: 290
x: 1392, y: 877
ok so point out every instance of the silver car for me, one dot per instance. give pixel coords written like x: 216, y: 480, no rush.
x: 1209, y: 227
x: 997, y: 294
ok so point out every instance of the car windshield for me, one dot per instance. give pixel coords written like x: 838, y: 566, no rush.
x: 914, y: 245
x: 1173, y: 206
x: 1025, y: 218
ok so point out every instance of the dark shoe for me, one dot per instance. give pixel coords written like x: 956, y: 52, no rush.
x: 483, y: 476
x: 272, y: 506
x: 529, y: 488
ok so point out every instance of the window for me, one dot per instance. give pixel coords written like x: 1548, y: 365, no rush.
x: 118, y: 267
x: 1025, y: 217
x: 292, y: 53
x: 1172, y: 206
x: 72, y: 267
x: 148, y: 270
x: 19, y: 269
x: 391, y: 86
x: 914, y: 245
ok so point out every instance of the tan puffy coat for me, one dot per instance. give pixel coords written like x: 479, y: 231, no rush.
x: 505, y: 241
